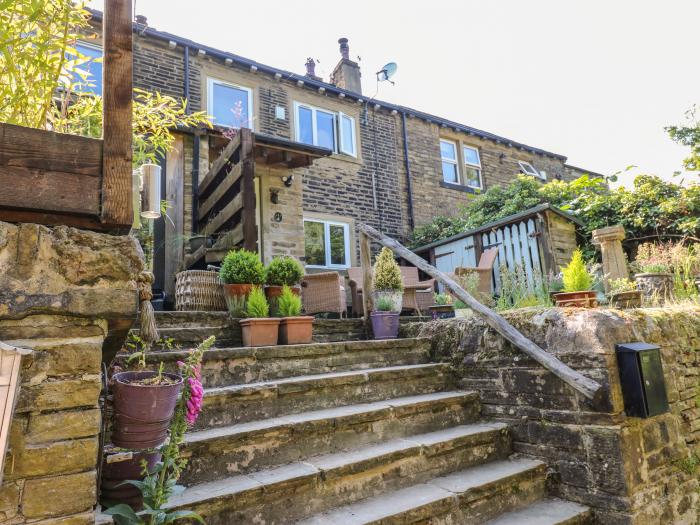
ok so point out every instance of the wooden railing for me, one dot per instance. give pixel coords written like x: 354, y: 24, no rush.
x: 582, y: 384
x: 226, y: 202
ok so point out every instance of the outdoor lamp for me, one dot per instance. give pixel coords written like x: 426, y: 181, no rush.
x: 150, y: 177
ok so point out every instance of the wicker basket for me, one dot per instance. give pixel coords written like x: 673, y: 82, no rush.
x: 199, y: 290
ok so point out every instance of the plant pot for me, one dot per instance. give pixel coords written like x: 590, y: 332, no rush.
x: 394, y: 296
x: 260, y: 332
x: 113, y: 488
x: 236, y: 298
x: 296, y: 330
x: 442, y: 311
x: 142, y: 413
x: 587, y: 299
x: 655, y: 286
x: 385, y: 325
x: 628, y: 299
x: 273, y: 292
x: 198, y: 241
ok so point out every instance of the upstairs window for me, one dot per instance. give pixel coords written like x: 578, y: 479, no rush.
x: 327, y: 129
x: 472, y: 167
x: 229, y: 105
x: 528, y: 169
x: 448, y: 155
x: 87, y: 75
x: 326, y: 243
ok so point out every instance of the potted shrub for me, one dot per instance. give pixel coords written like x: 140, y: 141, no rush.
x: 259, y: 329
x: 578, y: 282
x: 294, y: 328
x: 281, y: 272
x: 654, y: 278
x: 624, y: 294
x: 240, y: 271
x: 443, y: 308
x: 387, y: 282
x: 385, y: 319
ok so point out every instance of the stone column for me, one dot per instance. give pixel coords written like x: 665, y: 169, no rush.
x: 614, y: 260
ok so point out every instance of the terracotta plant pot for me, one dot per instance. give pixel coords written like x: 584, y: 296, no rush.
x: 236, y: 298
x: 273, y: 292
x: 576, y: 299
x: 629, y: 299
x: 385, y: 325
x: 296, y: 330
x: 142, y: 413
x: 442, y: 311
x: 655, y: 286
x: 260, y: 332
x: 112, y: 487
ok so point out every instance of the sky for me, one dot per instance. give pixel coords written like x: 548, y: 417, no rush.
x: 595, y: 80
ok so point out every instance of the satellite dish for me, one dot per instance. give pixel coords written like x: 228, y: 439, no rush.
x: 387, y: 72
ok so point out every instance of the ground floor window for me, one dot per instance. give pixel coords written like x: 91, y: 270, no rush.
x: 326, y: 243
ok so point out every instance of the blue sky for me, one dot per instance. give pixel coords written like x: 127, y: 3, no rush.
x: 596, y: 80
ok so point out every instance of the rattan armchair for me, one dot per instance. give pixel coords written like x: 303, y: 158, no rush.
x: 323, y: 293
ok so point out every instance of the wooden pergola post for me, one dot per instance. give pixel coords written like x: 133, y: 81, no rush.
x: 366, y: 265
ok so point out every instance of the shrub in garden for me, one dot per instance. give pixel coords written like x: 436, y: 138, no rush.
x: 518, y: 292
x: 284, y: 271
x: 575, y: 275
x: 289, y: 303
x: 387, y: 274
x: 242, y: 267
x: 257, y: 306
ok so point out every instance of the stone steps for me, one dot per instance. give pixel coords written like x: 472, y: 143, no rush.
x: 216, y: 453
x: 470, y: 496
x: 227, y: 366
x: 294, y: 491
x: 547, y: 512
x: 229, y: 405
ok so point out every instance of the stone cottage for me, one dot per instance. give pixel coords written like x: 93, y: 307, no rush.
x: 391, y: 166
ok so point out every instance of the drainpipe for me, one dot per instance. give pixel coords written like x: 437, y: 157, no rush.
x: 195, y: 149
x: 407, y: 164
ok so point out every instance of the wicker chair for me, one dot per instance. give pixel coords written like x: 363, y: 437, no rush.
x: 484, y: 270
x: 323, y: 293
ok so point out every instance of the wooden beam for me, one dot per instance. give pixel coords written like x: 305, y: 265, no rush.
x: 225, y: 215
x: 117, y: 92
x: 299, y: 161
x: 55, y: 219
x: 367, y: 287
x: 219, y: 163
x: 250, y: 229
x: 586, y: 386
x: 215, y: 196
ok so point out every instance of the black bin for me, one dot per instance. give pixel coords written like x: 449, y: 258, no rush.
x: 642, y: 379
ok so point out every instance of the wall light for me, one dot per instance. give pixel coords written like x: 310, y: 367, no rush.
x: 150, y: 201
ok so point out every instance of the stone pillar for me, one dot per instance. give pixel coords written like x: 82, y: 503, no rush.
x: 68, y: 295
x: 614, y: 260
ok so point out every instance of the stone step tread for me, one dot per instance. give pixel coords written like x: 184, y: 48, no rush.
x: 335, y: 463
x: 549, y: 511
x: 441, y: 492
x: 331, y: 415
x: 356, y: 376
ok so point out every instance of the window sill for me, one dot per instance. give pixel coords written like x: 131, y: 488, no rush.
x: 345, y: 158
x: 460, y: 187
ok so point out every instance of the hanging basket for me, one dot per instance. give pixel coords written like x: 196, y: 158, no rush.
x: 199, y: 290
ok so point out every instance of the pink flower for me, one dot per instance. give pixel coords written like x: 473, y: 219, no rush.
x: 194, y: 403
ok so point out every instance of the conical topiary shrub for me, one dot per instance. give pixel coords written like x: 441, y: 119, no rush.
x: 387, y: 280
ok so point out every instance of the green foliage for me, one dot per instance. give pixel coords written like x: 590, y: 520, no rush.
x: 284, y: 271
x: 575, y: 275
x: 387, y: 274
x: 257, y: 306
x: 384, y: 304
x: 289, y: 303
x: 242, y: 267
x: 622, y: 285
x: 518, y: 292
x: 681, y: 260
x: 469, y: 281
x: 442, y: 299
x: 688, y: 135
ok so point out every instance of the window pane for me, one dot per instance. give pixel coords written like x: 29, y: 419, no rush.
x: 325, y: 128
x: 314, y: 243
x: 448, y: 150
x: 93, y: 69
x: 471, y: 156
x: 472, y: 177
x: 230, y: 106
x: 306, y: 132
x: 449, y: 172
x: 348, y: 130
x: 337, y: 244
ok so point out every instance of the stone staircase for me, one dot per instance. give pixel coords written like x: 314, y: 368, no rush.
x: 354, y: 432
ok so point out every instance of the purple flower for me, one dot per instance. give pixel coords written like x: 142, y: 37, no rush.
x: 194, y: 403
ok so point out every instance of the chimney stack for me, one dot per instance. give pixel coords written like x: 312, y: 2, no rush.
x: 311, y: 69
x: 346, y: 74
x: 141, y: 20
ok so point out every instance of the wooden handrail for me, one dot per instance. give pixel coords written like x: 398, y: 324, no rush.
x: 586, y: 386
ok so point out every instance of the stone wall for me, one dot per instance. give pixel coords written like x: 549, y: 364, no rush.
x: 630, y: 470
x: 68, y: 295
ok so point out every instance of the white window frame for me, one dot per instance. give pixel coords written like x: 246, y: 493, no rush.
x: 471, y: 165
x: 327, y: 233
x: 454, y: 161
x: 529, y: 169
x: 210, y: 100
x: 96, y: 47
x: 338, y: 117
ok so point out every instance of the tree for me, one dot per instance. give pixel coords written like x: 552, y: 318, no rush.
x: 688, y: 135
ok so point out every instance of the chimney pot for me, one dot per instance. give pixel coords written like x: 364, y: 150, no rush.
x: 344, y: 48
x: 142, y: 20
x: 310, y: 67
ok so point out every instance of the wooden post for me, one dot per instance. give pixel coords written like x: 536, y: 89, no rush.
x: 586, y: 386
x: 250, y: 231
x: 366, y: 265
x: 116, y: 98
